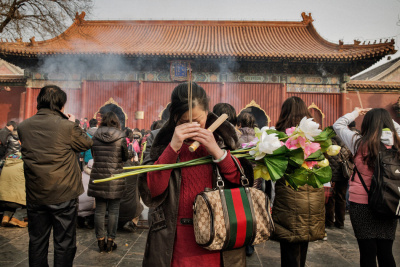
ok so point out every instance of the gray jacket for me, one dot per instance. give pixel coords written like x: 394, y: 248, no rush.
x: 350, y: 137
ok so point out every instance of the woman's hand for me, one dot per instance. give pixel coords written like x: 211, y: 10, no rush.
x: 206, y: 138
x: 182, y: 132
x: 362, y: 111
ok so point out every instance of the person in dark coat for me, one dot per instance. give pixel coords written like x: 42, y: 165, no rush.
x: 50, y: 143
x: 335, y: 209
x: 5, y: 134
x: 110, y: 151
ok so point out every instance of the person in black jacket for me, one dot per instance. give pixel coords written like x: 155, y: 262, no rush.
x: 335, y: 209
x: 5, y: 134
x: 50, y: 143
x: 109, y: 151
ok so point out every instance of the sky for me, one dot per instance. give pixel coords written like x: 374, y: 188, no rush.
x: 334, y: 20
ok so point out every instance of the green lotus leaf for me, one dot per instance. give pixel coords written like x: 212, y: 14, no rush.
x: 326, y: 134
x: 281, y: 135
x: 296, y: 157
x: 316, y: 156
x: 276, y: 166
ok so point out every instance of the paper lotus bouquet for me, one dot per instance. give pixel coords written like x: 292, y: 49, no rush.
x: 297, y: 155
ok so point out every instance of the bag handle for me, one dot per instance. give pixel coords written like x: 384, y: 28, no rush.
x: 243, y: 179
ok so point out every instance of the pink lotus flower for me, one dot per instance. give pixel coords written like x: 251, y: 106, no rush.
x: 309, y: 164
x: 251, y: 143
x: 291, y: 144
x: 311, y: 148
x: 289, y: 131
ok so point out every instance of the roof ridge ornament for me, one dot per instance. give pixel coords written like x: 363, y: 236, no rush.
x: 307, y: 19
x: 33, y: 42
x: 80, y: 18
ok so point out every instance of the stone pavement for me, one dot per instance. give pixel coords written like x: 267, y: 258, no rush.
x: 340, y: 249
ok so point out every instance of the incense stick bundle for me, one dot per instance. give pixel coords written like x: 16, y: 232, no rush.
x: 195, y: 145
x: 359, y: 99
x: 190, y: 100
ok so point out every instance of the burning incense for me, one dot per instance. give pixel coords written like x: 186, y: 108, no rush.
x: 190, y: 101
x: 359, y: 99
x: 195, y: 145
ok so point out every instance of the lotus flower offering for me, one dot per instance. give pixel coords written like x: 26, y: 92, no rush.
x: 296, y: 154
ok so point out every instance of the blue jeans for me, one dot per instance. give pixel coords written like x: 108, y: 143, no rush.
x: 102, y: 205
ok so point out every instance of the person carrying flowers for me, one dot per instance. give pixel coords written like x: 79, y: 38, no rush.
x: 299, y: 215
x: 170, y: 193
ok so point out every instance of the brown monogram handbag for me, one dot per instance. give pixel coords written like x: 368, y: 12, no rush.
x: 225, y: 219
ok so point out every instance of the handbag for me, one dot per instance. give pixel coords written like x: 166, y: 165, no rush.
x: 347, y: 171
x: 226, y: 219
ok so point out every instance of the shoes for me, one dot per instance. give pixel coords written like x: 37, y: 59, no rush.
x: 5, y: 220
x: 130, y: 227
x: 111, y: 245
x: 102, y: 245
x: 16, y: 222
x: 339, y: 226
x: 325, y: 237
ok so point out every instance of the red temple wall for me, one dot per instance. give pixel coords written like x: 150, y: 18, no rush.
x: 371, y: 100
x: 152, y: 97
x: 10, y: 105
x: 329, y: 104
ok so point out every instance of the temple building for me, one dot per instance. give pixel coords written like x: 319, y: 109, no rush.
x: 134, y: 65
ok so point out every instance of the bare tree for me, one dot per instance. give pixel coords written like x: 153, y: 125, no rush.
x: 21, y: 19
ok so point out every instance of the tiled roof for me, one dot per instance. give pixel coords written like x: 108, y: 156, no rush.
x: 371, y: 74
x: 354, y: 85
x: 207, y: 39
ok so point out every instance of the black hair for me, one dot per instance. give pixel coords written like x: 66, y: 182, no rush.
x: 372, y: 125
x: 228, y: 109
x: 352, y: 124
x: 157, y: 124
x: 115, y: 109
x: 110, y: 119
x: 51, y: 97
x: 246, y: 119
x: 129, y: 133
x: 13, y: 124
x: 179, y: 101
x: 293, y: 110
x: 93, y: 123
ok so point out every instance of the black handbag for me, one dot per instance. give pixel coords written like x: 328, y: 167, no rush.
x: 347, y: 171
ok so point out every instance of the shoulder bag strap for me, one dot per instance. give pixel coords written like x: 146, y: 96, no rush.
x: 361, y: 179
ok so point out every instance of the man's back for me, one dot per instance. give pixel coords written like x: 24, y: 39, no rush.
x: 49, y: 146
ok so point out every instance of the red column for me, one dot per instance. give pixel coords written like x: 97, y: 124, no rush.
x: 343, y: 100
x: 22, y: 106
x: 28, y: 103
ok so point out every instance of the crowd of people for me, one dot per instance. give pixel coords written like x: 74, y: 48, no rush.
x: 49, y: 162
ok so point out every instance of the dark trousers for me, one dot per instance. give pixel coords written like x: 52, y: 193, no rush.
x: 62, y: 218
x: 293, y: 254
x: 335, y: 209
x: 370, y: 249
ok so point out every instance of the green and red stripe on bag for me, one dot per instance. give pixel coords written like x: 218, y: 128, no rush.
x: 240, y: 218
x: 226, y: 219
